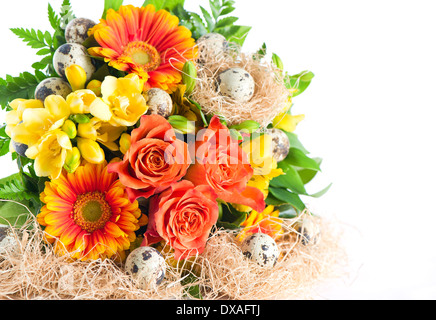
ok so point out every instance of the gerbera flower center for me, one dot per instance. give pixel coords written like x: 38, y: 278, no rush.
x: 91, y: 211
x: 143, y: 55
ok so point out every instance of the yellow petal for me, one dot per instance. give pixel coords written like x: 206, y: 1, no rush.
x: 100, y: 109
x: 57, y: 106
x: 287, y: 122
x: 76, y: 76
x: 90, y: 150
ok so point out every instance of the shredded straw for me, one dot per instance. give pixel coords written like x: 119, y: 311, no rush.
x: 33, y: 271
x: 270, y: 96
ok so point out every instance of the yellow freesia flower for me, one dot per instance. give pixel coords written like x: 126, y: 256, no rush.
x: 95, y: 86
x: 122, y: 102
x: 80, y: 101
x: 50, y: 153
x: 287, y: 122
x: 35, y: 123
x: 76, y: 76
x: 264, y: 166
x: 101, y: 131
x: 15, y: 116
x: 90, y: 150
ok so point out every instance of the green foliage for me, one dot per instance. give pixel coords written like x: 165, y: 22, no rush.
x: 168, y: 5
x: 231, y: 218
x: 4, y: 141
x: 191, y: 288
x: 22, y: 87
x: 300, y: 82
x: 216, y: 20
x: 16, y: 188
x: 111, y: 4
x: 299, y: 169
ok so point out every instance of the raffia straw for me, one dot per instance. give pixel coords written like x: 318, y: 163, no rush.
x: 270, y: 96
x: 34, y: 271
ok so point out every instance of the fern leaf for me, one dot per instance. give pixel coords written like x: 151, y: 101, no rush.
x: 22, y: 87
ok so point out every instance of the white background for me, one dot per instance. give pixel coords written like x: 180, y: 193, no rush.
x: 370, y: 114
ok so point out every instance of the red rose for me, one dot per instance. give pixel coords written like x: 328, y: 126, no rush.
x: 182, y: 215
x: 221, y: 163
x: 155, y: 160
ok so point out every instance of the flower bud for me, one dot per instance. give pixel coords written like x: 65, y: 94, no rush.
x: 80, y: 118
x: 189, y: 77
x: 70, y: 129
x: 90, y: 150
x: 95, y: 86
x: 76, y: 76
x: 125, y: 142
x: 249, y: 126
x: 181, y: 124
x: 72, y: 161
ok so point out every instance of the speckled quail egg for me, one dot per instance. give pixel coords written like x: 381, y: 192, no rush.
x: 280, y: 144
x: 159, y: 102
x: 77, y: 30
x: 237, y: 84
x: 8, y: 242
x: 72, y: 53
x: 262, y: 249
x: 147, y: 267
x: 309, y: 231
x: 51, y: 86
x: 213, y: 44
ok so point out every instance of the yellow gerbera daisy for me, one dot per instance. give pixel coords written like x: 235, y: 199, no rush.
x: 87, y: 214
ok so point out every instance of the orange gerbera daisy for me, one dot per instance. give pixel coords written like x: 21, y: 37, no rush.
x: 148, y: 43
x: 87, y: 214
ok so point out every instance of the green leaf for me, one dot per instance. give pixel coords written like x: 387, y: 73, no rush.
x: 232, y: 216
x: 191, y: 289
x: 209, y: 20
x: 169, y: 5
x: 297, y: 158
x: 13, y: 213
x: 200, y: 27
x: 4, y: 141
x: 36, y: 39
x: 215, y: 6
x: 300, y: 82
x: 271, y: 200
x: 226, y: 22
x: 290, y: 180
x: 295, y: 142
x: 54, y: 19
x: 22, y: 87
x: 111, y: 4
x: 307, y: 175
x: 261, y: 53
x: 236, y: 34
x: 319, y: 194
x: 289, y: 197
x: 14, y: 189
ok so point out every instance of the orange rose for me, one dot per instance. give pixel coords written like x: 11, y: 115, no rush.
x: 221, y: 162
x: 156, y: 159
x: 183, y: 215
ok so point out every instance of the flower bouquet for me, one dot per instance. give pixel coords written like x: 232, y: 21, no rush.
x: 155, y: 159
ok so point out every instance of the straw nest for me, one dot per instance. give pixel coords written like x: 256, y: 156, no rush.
x: 33, y: 271
x: 270, y: 96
